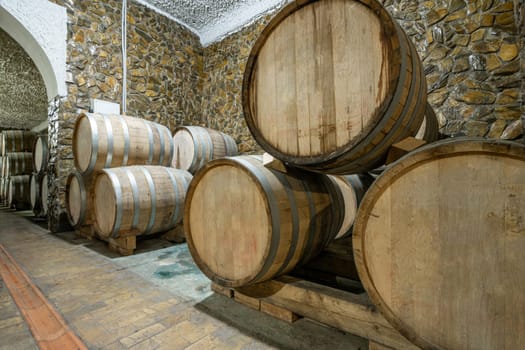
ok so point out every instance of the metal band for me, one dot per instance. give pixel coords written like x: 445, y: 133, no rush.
x: 109, y: 152
x: 197, y: 152
x: 83, y: 198
x: 153, y: 212
x: 94, y: 145
x: 136, y: 197
x: 125, y: 132
x: 231, y: 146
x: 313, y: 225
x: 150, y: 139
x: 295, y: 221
x: 209, y: 157
x: 274, y: 212
x: 175, y: 214
x: 172, y: 147
x: 118, y: 199
x: 162, y: 143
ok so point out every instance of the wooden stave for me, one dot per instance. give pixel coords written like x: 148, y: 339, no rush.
x: 338, y: 162
x: 86, y: 185
x: 372, y: 150
x: 18, y: 163
x: 41, y: 141
x: 324, y: 230
x: 437, y: 150
x: 17, y: 141
x: 107, y: 155
x: 18, y: 192
x: 180, y: 180
x: 208, y: 144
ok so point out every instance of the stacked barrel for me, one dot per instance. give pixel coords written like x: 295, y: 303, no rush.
x: 327, y: 99
x: 330, y: 86
x: 38, y: 182
x: 123, y: 185
x: 17, y: 166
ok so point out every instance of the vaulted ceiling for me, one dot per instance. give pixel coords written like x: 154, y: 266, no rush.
x: 212, y: 19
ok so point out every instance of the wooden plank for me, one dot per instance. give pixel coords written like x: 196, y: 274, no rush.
x: 402, y: 148
x: 279, y: 312
x: 249, y: 301
x: 349, y: 312
x: 123, y: 245
x: 228, y: 292
x: 175, y: 235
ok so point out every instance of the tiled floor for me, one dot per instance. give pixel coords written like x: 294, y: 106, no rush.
x: 156, y: 299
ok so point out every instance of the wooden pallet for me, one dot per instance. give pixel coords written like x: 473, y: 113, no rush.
x: 289, y: 298
x: 126, y: 245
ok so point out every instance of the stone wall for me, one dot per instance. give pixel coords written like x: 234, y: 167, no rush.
x: 23, y: 98
x: 164, y: 61
x: 470, y: 52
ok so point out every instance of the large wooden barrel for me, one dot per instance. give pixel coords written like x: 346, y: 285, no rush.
x: 107, y: 141
x: 40, y: 154
x: 330, y: 85
x: 44, y: 191
x: 18, y: 192
x: 19, y: 163
x: 245, y: 223
x: 139, y: 200
x: 79, y: 199
x: 439, y: 241
x: 17, y: 141
x: 195, y: 146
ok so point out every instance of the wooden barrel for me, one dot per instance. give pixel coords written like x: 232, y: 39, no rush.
x: 3, y: 172
x: 2, y: 191
x: 79, y: 199
x: 44, y: 190
x: 17, y: 141
x: 107, y: 141
x: 195, y: 146
x: 439, y: 241
x: 246, y: 223
x: 139, y: 200
x: 330, y: 85
x: 40, y: 154
x: 19, y: 163
x: 18, y: 193
x: 353, y: 189
x: 429, y: 129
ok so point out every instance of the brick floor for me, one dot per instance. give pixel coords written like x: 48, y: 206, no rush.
x: 111, y: 307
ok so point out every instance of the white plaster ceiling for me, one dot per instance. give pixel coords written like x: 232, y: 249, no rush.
x: 213, y: 19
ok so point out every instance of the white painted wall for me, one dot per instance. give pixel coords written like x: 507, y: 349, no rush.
x: 40, y: 27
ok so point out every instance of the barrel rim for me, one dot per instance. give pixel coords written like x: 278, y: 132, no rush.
x: 40, y: 168
x: 98, y: 175
x: 227, y: 161
x: 388, y: 25
x: 442, y: 149
x: 74, y: 146
x: 82, y: 215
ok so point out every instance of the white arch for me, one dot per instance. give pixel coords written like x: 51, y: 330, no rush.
x: 40, y: 27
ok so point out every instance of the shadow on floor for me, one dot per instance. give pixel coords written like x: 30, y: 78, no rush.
x: 303, y: 334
